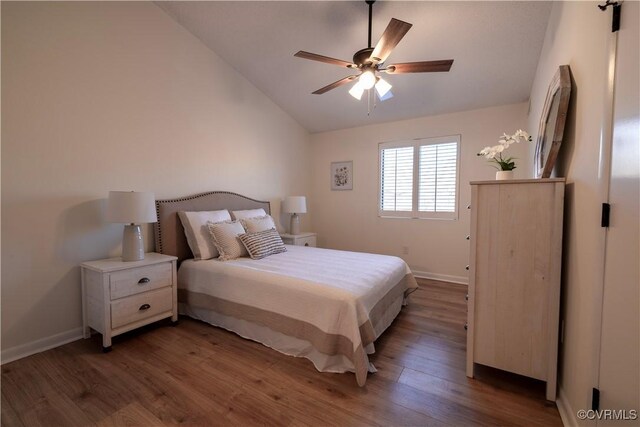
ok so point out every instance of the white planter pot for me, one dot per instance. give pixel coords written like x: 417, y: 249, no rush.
x: 504, y: 175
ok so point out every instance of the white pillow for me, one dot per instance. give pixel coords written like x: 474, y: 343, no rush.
x: 249, y: 213
x: 225, y: 237
x: 198, y: 236
x: 261, y: 223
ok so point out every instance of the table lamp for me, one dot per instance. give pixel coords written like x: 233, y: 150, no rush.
x: 132, y: 208
x: 295, y: 205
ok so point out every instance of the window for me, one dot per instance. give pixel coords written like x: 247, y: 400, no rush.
x: 419, y: 178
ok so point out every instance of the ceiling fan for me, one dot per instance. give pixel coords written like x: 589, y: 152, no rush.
x: 369, y: 61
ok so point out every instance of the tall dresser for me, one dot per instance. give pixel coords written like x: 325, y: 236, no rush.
x: 514, y: 277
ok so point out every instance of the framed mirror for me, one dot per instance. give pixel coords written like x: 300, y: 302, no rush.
x: 552, y: 121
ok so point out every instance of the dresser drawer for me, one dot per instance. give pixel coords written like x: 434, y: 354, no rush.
x: 141, y: 306
x: 142, y: 279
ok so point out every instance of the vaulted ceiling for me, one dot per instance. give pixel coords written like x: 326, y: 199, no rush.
x: 495, y: 45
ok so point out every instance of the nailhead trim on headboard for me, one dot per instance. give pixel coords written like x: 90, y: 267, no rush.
x: 158, y: 229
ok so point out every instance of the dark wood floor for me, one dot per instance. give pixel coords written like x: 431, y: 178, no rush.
x: 195, y: 374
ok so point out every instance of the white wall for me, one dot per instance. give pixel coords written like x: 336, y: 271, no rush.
x: 349, y: 219
x: 577, y: 35
x: 100, y: 96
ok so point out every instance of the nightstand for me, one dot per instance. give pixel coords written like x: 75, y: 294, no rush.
x: 119, y: 296
x: 302, y: 239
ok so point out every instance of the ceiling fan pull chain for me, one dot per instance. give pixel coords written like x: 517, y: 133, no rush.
x: 375, y: 97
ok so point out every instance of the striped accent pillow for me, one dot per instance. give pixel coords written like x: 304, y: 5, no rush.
x: 263, y: 243
x: 225, y: 238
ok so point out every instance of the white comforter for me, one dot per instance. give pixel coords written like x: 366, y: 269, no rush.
x: 335, y: 291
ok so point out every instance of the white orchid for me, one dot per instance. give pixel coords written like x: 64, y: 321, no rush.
x: 485, y: 151
x: 494, y: 154
x: 521, y: 135
x: 491, y: 154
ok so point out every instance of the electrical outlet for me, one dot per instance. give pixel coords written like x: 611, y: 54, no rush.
x: 405, y: 250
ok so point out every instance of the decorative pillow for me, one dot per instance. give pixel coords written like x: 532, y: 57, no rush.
x: 225, y: 238
x: 261, y: 223
x: 198, y: 237
x: 249, y: 213
x: 263, y: 243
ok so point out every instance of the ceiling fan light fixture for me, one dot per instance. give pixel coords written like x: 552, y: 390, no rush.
x: 367, y: 79
x: 357, y: 90
x: 371, y: 61
x: 382, y: 87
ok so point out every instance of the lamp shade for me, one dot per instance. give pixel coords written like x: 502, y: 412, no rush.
x: 294, y: 204
x: 367, y: 79
x: 131, y: 207
x: 382, y: 87
x: 357, y: 90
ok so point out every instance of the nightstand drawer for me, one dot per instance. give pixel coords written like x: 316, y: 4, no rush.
x: 306, y: 241
x: 142, y: 279
x: 141, y: 306
x: 302, y: 239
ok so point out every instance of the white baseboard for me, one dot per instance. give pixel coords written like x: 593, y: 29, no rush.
x: 567, y: 414
x: 38, y: 346
x: 444, y: 277
x: 43, y: 344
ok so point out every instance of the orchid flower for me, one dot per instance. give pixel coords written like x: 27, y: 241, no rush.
x: 494, y: 153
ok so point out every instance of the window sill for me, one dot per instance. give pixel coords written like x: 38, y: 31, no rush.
x: 418, y: 218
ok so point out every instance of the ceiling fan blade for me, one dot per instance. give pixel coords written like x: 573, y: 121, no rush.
x: 325, y: 59
x: 334, y: 85
x: 394, y: 32
x: 420, y: 67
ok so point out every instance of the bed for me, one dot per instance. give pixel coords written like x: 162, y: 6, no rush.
x: 325, y: 305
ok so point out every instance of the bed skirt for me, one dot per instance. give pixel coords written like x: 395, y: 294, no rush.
x: 292, y: 346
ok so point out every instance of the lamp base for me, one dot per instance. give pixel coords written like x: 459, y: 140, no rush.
x: 132, y: 245
x: 295, y: 224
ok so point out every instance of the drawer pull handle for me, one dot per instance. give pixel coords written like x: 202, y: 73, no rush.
x: 467, y: 267
x: 144, y: 281
x: 306, y: 244
x: 468, y: 206
x: 466, y: 326
x: 468, y: 237
x: 466, y: 297
x: 144, y: 307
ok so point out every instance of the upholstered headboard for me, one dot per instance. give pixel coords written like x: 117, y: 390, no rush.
x: 169, y: 234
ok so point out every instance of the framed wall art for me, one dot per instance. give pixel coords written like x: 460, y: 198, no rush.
x: 552, y: 122
x: 342, y: 175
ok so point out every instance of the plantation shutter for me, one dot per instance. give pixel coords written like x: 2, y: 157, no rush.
x: 419, y: 178
x: 396, y: 179
x: 438, y: 177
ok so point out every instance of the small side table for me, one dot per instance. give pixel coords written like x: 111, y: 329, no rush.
x: 119, y: 296
x: 302, y: 239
